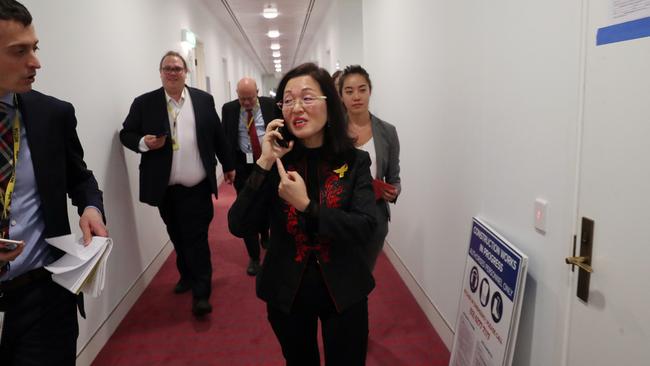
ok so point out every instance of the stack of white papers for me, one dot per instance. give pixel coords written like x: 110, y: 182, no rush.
x: 82, y: 268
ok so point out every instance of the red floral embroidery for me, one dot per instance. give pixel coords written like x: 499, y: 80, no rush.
x: 330, y: 196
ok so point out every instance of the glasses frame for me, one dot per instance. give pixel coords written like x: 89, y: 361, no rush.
x: 282, y: 106
x: 172, y: 70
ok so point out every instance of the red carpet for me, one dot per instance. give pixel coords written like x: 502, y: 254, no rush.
x: 160, y: 329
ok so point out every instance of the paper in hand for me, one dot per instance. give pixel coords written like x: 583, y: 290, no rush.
x: 379, y: 186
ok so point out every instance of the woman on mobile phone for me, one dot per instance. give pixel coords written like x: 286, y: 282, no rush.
x: 319, y: 196
x: 379, y: 139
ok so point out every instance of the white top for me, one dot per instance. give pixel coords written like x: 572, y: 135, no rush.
x: 187, y: 168
x: 369, y: 147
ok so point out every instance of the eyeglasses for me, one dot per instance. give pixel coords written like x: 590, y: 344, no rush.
x: 172, y: 70
x: 307, y: 101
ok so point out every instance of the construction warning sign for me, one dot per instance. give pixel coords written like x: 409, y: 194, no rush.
x: 490, y: 301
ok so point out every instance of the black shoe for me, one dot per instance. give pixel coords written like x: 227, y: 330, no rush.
x: 182, y: 286
x: 253, y: 267
x: 200, y: 307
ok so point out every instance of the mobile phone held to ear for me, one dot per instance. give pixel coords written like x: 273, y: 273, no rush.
x: 286, y: 137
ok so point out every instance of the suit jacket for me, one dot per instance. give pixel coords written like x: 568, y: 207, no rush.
x: 386, y: 155
x: 337, y: 229
x: 148, y: 115
x: 57, y: 157
x: 230, y: 113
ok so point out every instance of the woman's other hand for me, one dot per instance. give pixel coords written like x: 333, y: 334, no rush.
x: 292, y: 188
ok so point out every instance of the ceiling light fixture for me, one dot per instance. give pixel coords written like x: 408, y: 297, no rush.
x: 270, y: 12
x: 276, y: 54
x: 275, y: 46
x: 273, y: 33
x: 277, y: 61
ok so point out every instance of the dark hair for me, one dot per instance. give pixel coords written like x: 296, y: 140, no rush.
x: 335, y: 75
x: 13, y: 10
x: 335, y: 139
x: 354, y: 69
x: 172, y: 53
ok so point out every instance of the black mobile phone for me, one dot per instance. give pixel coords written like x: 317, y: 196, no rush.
x: 286, y: 136
x: 161, y: 134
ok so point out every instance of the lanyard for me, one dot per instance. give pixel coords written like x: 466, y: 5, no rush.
x: 6, y: 198
x: 173, y: 112
x: 250, y: 121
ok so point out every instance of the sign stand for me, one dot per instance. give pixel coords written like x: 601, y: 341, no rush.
x: 490, y: 301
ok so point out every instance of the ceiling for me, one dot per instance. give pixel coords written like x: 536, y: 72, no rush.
x: 297, y: 21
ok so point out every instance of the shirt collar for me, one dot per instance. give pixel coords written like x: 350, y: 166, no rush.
x: 255, y: 107
x: 169, y: 99
x: 8, y: 99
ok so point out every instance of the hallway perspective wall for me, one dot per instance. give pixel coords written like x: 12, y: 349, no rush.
x: 338, y: 37
x: 485, y: 98
x: 99, y: 56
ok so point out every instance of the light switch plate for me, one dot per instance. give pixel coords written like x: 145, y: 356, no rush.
x: 539, y: 214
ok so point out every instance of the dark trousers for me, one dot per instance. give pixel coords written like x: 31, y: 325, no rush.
x: 187, y: 213
x: 345, y: 334
x: 40, y: 325
x: 252, y: 242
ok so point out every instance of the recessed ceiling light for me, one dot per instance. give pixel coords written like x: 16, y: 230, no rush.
x: 277, y: 61
x: 273, y: 33
x: 275, y: 46
x: 270, y: 12
x: 276, y: 54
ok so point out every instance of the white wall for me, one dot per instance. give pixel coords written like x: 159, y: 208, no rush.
x: 485, y: 100
x: 99, y: 55
x: 338, y: 37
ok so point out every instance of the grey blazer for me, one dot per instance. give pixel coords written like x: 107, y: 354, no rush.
x: 387, y: 154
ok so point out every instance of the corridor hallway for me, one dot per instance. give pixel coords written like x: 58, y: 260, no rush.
x: 160, y: 330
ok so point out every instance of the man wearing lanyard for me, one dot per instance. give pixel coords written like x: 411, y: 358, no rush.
x: 177, y: 130
x: 41, y: 161
x: 244, y: 122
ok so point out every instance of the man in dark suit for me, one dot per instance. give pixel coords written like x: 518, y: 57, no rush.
x: 244, y: 122
x: 41, y: 161
x: 177, y: 130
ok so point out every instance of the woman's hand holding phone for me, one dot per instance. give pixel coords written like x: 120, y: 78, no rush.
x: 271, y: 145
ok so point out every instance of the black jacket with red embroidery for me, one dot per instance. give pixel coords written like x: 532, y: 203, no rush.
x: 335, y: 228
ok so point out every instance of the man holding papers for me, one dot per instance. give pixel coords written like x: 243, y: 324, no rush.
x: 41, y: 161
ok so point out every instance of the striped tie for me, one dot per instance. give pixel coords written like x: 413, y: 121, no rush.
x: 6, y: 167
x: 6, y: 147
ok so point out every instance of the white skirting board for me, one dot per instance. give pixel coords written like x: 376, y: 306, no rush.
x: 443, y: 329
x: 99, y: 339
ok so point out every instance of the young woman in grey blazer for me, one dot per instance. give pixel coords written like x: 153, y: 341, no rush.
x: 379, y: 139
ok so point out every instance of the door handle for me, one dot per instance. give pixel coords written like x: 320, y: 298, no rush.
x: 581, y: 262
